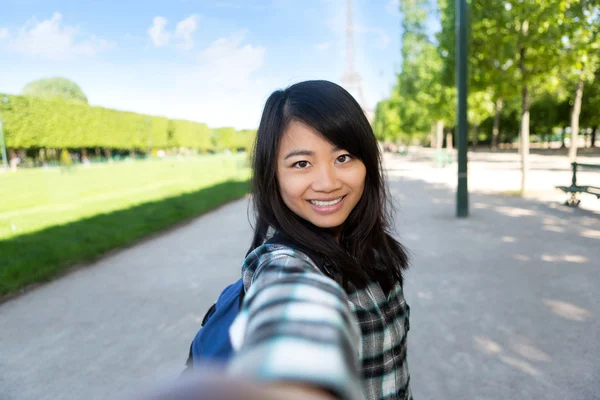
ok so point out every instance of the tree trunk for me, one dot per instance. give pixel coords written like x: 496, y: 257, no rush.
x: 589, y: 138
x: 575, y: 120
x: 496, y: 129
x: 524, y: 146
x: 475, y: 136
x: 432, y: 135
x: 524, y: 132
x: 563, y: 135
x: 449, y: 144
x: 594, y: 130
x: 439, y: 134
x: 586, y: 137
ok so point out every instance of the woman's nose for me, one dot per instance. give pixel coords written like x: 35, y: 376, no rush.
x: 326, y: 180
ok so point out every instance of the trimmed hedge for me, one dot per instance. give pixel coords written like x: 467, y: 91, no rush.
x: 56, y: 123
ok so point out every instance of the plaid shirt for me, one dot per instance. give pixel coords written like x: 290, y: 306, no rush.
x: 297, y: 324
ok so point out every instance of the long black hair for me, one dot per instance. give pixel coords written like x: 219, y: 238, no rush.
x: 364, y: 250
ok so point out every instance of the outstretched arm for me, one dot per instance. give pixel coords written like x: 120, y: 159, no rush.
x: 297, y: 332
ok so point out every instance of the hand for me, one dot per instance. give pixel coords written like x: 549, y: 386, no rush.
x: 221, y: 387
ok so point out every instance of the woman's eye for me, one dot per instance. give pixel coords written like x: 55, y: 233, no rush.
x: 344, y: 158
x: 301, y: 164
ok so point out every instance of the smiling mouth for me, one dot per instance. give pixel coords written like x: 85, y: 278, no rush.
x: 320, y: 203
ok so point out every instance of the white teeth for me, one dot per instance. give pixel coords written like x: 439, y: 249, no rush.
x: 325, y: 203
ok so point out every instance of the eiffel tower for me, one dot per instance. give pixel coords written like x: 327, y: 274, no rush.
x: 351, y: 79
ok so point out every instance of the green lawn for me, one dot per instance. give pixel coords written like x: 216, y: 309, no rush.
x: 51, y: 219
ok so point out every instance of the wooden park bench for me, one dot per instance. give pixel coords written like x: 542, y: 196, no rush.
x: 573, y: 201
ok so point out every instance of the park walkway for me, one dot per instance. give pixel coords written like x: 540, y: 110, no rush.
x: 504, y: 304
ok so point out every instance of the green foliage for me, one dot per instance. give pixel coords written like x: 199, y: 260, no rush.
x: 420, y: 96
x: 480, y: 106
x: 224, y: 138
x: 191, y: 134
x: 492, y: 48
x: 543, y: 46
x: 31, y: 122
x: 247, y: 137
x: 386, y: 123
x: 547, y: 113
x: 509, y: 121
x: 590, y: 111
x: 580, y: 41
x: 52, y: 88
x: 229, y: 138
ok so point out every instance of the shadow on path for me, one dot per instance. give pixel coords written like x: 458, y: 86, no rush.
x: 43, y: 255
x: 504, y: 303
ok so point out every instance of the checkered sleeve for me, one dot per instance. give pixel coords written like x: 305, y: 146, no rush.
x: 296, y: 325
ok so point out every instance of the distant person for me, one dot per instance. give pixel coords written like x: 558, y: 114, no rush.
x: 14, y: 162
x: 326, y: 317
x: 85, y: 161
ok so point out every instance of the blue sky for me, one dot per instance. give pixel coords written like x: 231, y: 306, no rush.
x: 208, y: 61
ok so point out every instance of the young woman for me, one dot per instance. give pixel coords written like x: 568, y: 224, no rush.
x: 323, y: 316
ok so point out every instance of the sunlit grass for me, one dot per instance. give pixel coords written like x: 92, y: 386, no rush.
x: 67, y: 218
x: 36, y: 199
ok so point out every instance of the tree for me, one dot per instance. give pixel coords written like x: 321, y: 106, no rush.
x: 411, y: 115
x: 525, y: 36
x: 33, y: 123
x: 590, y: 111
x: 55, y: 88
x: 548, y: 112
x: 580, y: 55
x: 386, y: 123
x: 224, y: 138
x: 490, y: 63
x: 480, y: 107
x: 423, y: 98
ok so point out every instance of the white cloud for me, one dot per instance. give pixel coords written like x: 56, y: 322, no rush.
x: 160, y: 37
x: 227, y: 61
x: 223, y: 86
x: 184, y: 30
x: 49, y: 39
x: 322, y: 46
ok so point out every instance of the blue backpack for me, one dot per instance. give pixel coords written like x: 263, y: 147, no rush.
x: 212, y: 342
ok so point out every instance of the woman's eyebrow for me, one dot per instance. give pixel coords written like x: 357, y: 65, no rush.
x: 307, y: 152
x: 299, y: 153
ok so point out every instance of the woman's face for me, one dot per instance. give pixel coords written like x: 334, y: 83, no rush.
x: 318, y: 181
